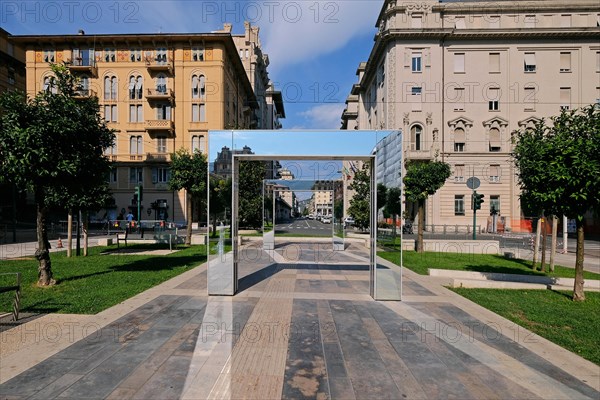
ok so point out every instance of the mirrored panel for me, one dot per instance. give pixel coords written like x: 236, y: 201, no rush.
x: 304, y: 198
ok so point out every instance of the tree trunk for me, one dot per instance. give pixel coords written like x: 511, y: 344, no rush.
x: 42, y: 254
x: 421, y: 213
x: 578, y: 294
x: 543, y: 262
x: 85, y: 233
x: 188, y: 235
x: 536, y: 244
x: 394, y: 228
x: 70, y: 233
x: 553, y: 247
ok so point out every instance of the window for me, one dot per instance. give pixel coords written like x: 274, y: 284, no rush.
x: 565, y: 61
x: 459, y: 63
x: 459, y: 140
x: 530, y: 65
x: 459, y: 204
x: 161, y: 84
x: 416, y: 98
x: 161, y: 144
x: 381, y: 74
x: 161, y: 175
x: 49, y: 56
x: 494, y: 21
x: 161, y: 56
x: 110, y: 113
x: 50, y: 85
x: 111, y: 151
x: 529, y: 100
x: 136, y: 145
x: 112, y: 175
x: 136, y: 87
x: 198, y: 113
x: 198, y: 87
x: 416, y: 22
x: 416, y: 137
x: 110, y: 55
x: 110, y: 88
x: 135, y: 55
x: 494, y: 63
x: 416, y: 62
x: 197, y: 54
x: 565, y: 21
x: 530, y: 21
x: 136, y: 113
x: 82, y: 57
x: 136, y: 174
x: 495, y: 173
x: 198, y: 144
x: 163, y: 112
x: 495, y: 144
x: 494, y: 204
x: 459, y: 23
x: 459, y: 173
x: 459, y: 99
x: 565, y: 98
x: 11, y: 76
x: 493, y: 100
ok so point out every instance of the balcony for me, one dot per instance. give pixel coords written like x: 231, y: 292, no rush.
x: 84, y: 93
x: 78, y: 64
x: 155, y: 125
x: 160, y: 94
x: 158, y: 157
x: 159, y: 64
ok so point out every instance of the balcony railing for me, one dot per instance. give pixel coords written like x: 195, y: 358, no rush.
x: 159, y: 63
x: 158, y: 157
x: 78, y: 64
x: 159, y: 94
x: 159, y: 125
x: 84, y: 93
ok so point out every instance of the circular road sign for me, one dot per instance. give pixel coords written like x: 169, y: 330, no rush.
x: 473, y: 183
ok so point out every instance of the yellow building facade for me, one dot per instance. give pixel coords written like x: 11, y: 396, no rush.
x: 159, y: 92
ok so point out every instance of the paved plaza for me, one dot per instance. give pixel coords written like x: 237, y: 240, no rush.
x: 302, y: 326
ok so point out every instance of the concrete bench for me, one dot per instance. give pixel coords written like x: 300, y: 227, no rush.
x: 17, y: 289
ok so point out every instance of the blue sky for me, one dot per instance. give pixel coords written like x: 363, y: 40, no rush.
x: 314, y: 46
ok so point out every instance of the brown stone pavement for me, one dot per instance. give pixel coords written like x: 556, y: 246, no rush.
x: 298, y: 329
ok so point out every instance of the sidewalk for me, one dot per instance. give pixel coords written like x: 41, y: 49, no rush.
x: 296, y: 330
x: 590, y: 262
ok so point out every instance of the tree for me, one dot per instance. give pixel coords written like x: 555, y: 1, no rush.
x: 423, y: 179
x: 220, y: 198
x: 381, y: 196
x: 189, y: 172
x: 360, y: 203
x: 559, y: 169
x: 52, y: 145
x: 393, y: 205
x: 250, y: 184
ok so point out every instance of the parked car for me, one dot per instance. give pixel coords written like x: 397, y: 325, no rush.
x: 348, y: 221
x: 326, y: 220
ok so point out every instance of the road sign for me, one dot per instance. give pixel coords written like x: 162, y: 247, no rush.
x: 473, y: 183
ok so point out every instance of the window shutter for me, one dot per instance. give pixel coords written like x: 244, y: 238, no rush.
x: 565, y: 61
x: 195, y: 115
x: 114, y: 113
x: 459, y: 62
x: 494, y: 137
x: 530, y: 59
x: 132, y: 145
x: 107, y: 86
x: 494, y: 62
x: 140, y: 113
x: 427, y: 58
x: 494, y: 170
x: 565, y: 96
x: 202, y: 113
x: 113, y: 89
x: 459, y: 135
x: 407, y: 55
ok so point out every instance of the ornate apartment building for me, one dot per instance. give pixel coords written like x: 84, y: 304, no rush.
x: 160, y: 93
x: 459, y: 77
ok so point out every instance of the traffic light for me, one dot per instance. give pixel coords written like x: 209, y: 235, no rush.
x: 139, y: 192
x: 477, y: 200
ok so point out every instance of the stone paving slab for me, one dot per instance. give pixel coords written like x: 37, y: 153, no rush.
x: 299, y: 330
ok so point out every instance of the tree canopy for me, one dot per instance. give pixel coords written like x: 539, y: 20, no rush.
x: 559, y: 170
x: 360, y: 203
x: 52, y: 145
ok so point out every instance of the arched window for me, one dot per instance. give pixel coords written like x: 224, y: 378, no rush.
x: 136, y: 86
x: 459, y: 139
x: 110, y: 87
x: 84, y: 85
x: 50, y: 85
x: 416, y: 137
x: 198, y: 143
x: 495, y: 144
x: 198, y: 87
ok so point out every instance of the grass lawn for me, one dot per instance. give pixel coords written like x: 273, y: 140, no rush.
x: 552, y: 315
x: 420, y: 263
x: 88, y: 285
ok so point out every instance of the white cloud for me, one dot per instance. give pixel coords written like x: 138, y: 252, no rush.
x: 302, y: 31
x: 324, y: 116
